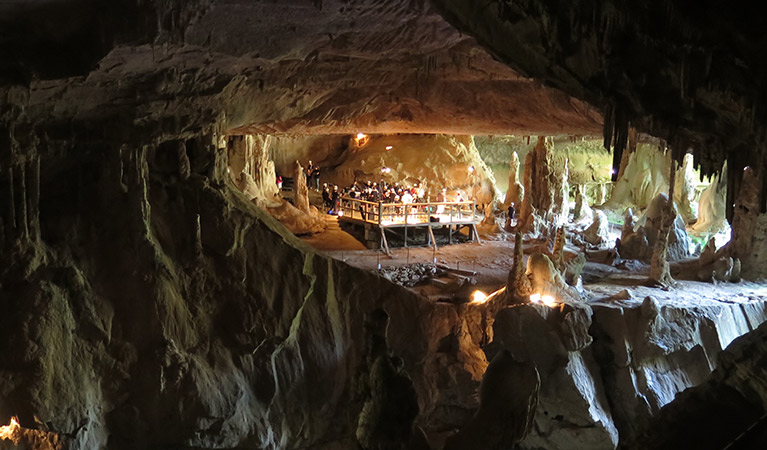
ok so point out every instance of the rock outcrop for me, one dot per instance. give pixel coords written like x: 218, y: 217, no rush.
x: 606, y: 368
x: 726, y: 409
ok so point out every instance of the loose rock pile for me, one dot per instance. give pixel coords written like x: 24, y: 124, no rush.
x: 411, y: 274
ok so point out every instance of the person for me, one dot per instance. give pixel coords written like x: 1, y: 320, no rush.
x: 509, y: 217
x: 309, y: 172
x: 279, y: 181
x: 317, y: 178
x: 335, y: 198
x: 442, y: 198
x: 326, y: 196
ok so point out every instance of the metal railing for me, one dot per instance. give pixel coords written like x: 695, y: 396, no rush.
x: 395, y: 214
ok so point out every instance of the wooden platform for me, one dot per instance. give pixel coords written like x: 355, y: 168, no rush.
x: 378, y: 217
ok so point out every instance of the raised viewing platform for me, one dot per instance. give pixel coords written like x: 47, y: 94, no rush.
x: 429, y: 215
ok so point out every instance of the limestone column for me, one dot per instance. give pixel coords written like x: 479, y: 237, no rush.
x: 543, y: 185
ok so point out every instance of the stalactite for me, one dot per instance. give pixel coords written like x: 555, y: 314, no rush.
x: 33, y: 199
x: 620, y: 136
x: 11, y: 206
x: 22, y: 203
x: 607, y: 130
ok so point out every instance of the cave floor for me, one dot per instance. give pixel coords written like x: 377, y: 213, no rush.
x: 492, y: 260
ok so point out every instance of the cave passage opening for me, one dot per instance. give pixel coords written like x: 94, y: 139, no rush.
x: 551, y: 183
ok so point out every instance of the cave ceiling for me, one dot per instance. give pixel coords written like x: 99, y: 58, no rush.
x: 250, y: 66
x: 689, y: 72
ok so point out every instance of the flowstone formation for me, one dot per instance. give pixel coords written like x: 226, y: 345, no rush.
x: 253, y: 173
x: 251, y: 169
x: 712, y: 210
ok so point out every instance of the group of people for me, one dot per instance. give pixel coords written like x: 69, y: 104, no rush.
x: 312, y: 176
x: 385, y: 192
x: 381, y: 192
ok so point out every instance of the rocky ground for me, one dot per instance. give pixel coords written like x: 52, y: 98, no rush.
x: 606, y: 364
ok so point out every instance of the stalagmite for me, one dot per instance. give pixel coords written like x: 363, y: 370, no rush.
x: 391, y: 405
x: 516, y: 191
x: 508, y: 401
x: 558, y: 251
x: 598, y: 233
x: 582, y: 212
x: 301, y: 200
x: 629, y: 222
x: 685, y: 190
x: 517, y: 285
x: 660, y: 271
x: 545, y: 184
x: 545, y: 279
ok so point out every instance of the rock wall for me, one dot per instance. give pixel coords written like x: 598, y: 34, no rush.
x: 147, y: 309
x: 606, y: 368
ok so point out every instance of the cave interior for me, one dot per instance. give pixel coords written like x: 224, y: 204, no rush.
x: 382, y: 224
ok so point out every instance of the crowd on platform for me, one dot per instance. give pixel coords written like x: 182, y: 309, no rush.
x: 381, y: 192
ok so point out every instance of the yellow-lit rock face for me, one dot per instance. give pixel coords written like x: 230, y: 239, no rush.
x: 436, y: 161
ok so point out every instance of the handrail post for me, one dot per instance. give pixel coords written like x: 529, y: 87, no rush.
x: 380, y: 212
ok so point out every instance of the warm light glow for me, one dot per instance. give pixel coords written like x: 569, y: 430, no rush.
x: 385, y: 170
x: 340, y: 213
x: 389, y: 147
x: 478, y: 297
x: 361, y: 139
x: 10, y: 431
x: 546, y: 299
x: 471, y: 169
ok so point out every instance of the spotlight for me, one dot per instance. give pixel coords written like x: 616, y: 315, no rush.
x: 389, y: 147
x: 471, y: 169
x: 360, y: 136
x: 478, y: 297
